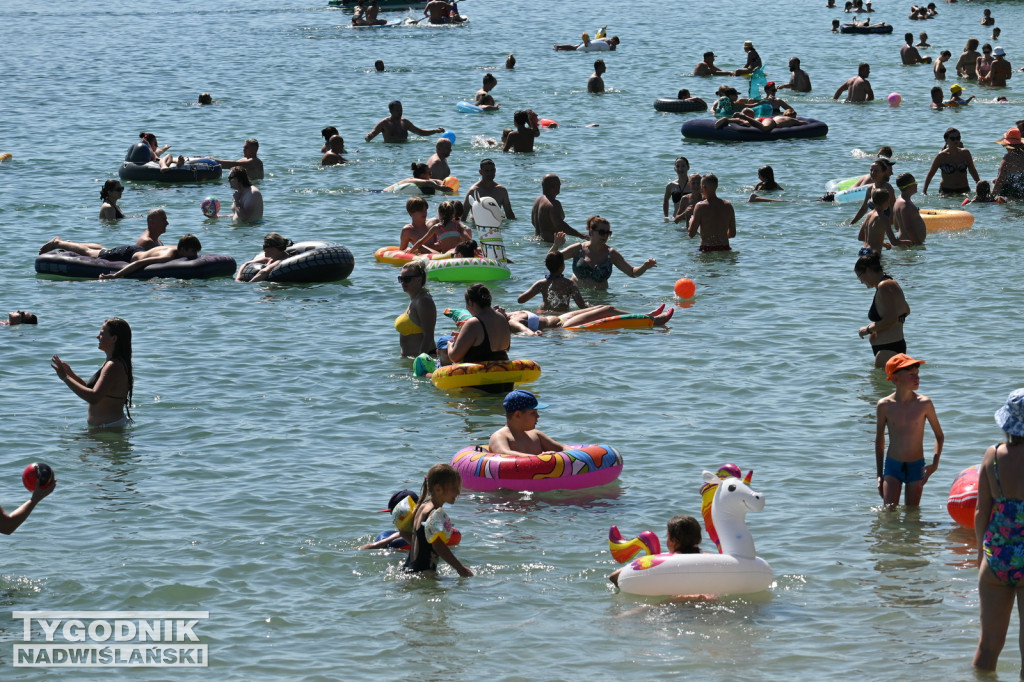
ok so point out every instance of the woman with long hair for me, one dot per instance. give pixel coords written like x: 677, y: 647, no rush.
x: 109, y: 390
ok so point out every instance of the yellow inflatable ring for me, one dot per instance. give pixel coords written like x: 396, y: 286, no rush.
x: 469, y: 374
x: 936, y: 220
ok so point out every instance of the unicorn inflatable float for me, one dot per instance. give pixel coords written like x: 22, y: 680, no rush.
x: 736, y: 570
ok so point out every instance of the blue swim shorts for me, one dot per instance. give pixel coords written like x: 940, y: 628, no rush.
x: 904, y: 472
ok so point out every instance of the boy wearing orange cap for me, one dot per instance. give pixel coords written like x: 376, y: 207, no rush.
x: 904, y: 414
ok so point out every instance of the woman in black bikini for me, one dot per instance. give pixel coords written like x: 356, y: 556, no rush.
x: 110, y: 193
x: 486, y: 336
x: 888, y: 310
x: 955, y: 162
x: 676, y: 189
x: 109, y: 391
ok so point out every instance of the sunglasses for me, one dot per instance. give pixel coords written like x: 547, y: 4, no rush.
x: 604, y: 233
x: 407, y: 278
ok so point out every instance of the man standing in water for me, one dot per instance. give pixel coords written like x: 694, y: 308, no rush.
x: 252, y: 164
x: 857, y: 88
x: 547, y: 215
x: 906, y: 214
x: 595, y: 84
x: 394, y: 128
x: 437, y: 163
x: 487, y: 187
x: 708, y: 68
x: 713, y: 217
x: 799, y: 81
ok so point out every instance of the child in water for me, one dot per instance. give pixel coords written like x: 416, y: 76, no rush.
x: 431, y: 526
x: 400, y: 501
x: 766, y: 180
x: 683, y: 537
x: 904, y: 413
x: 984, y: 195
x: 556, y: 288
x: 447, y: 230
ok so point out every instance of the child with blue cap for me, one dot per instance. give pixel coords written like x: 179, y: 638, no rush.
x: 520, y: 435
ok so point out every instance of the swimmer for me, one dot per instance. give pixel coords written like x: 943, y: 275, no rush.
x: 510, y: 61
x: 713, y: 218
x: 274, y: 252
x: 378, y: 66
x: 247, y: 201
x: 421, y: 178
x: 683, y: 534
x: 328, y: 133
x: 923, y: 40
x: 857, y: 89
x: 109, y: 391
x: 19, y: 317
x: 588, y: 45
x: 903, y: 414
x: 939, y: 68
x: 595, y: 84
x: 250, y: 162
x: 879, y: 174
x: 406, y: 535
x: 442, y: 12
x: 708, y: 68
x: 877, y: 224
x: 592, y: 260
x: 966, y: 65
x: 799, y: 81
x: 753, y: 60
x: 556, y: 289
x: 526, y: 131
x: 688, y: 201
x: 333, y: 155
x: 778, y: 105
x: 906, y: 215
x: 446, y: 231
x: 520, y: 435
x: 395, y: 128
x: 437, y: 164
x: 678, y: 188
x: 415, y: 326
x: 487, y: 187
x: 909, y: 54
x: 483, y: 98
x: 417, y: 208
x: 205, y: 99
x: 937, y: 101
x: 683, y: 96
x: 984, y: 195
x: 547, y: 215
x: 111, y: 191
x: 766, y: 180
x: 430, y: 524
x: 889, y: 309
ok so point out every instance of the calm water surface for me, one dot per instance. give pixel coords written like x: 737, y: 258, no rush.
x: 273, y: 421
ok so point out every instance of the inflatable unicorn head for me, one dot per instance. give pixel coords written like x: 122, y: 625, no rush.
x: 486, y: 212
x: 732, y: 500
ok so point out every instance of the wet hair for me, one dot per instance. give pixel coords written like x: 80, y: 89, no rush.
x: 548, y: 180
x: 683, y: 94
x: 107, y: 188
x: 599, y: 65
x: 520, y: 118
x: 862, y: 66
x: 479, y: 294
x: 595, y: 220
x: 276, y: 241
x: 972, y: 44
x: 794, y: 61
x: 554, y: 261
x: 379, y: 65
x: 685, y: 532
x: 485, y: 162
x: 416, y: 267
x: 984, y: 188
x: 341, y: 141
x: 241, y: 175
x: 328, y: 133
x: 446, y: 211
x: 871, y: 261
x: 878, y: 196
x: 420, y: 169
x: 909, y: 37
x: 253, y: 141
x: 767, y: 174
x: 205, y: 98
x: 489, y: 78
x: 710, y: 179
x: 189, y: 241
x: 394, y: 105
x: 459, y: 210
x: 905, y: 180
x: 443, y: 475
x: 122, y: 332
x: 936, y: 94
x: 414, y: 204
x: 466, y: 249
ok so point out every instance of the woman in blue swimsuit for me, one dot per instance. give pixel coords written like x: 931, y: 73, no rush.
x: 592, y: 260
x: 999, y: 530
x: 955, y: 162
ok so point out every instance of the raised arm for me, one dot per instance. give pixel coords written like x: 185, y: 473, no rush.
x: 620, y: 262
x: 10, y: 522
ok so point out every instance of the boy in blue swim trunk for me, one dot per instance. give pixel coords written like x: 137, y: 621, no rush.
x: 904, y: 414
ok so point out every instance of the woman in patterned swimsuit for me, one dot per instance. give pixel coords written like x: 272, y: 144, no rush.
x: 999, y: 529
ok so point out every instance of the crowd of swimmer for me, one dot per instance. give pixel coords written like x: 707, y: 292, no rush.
x: 890, y: 219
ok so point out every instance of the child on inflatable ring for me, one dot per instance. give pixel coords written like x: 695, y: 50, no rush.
x: 684, y: 536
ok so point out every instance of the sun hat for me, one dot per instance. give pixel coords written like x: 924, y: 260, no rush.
x: 1010, y: 416
x: 956, y: 88
x: 999, y: 51
x: 522, y: 400
x: 898, y: 362
x: 748, y: 43
x: 1010, y: 137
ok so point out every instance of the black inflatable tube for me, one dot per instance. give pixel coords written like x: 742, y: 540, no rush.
x: 147, y: 172
x: 309, y: 262
x: 704, y: 129
x: 850, y: 28
x: 67, y: 264
x: 679, y: 105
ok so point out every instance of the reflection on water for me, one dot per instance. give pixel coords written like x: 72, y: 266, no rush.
x: 905, y: 547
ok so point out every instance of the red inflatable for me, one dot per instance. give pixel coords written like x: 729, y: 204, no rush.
x: 963, y: 497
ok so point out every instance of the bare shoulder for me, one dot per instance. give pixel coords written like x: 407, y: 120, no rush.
x: 885, y: 402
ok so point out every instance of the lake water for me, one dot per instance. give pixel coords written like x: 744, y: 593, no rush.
x: 274, y: 421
